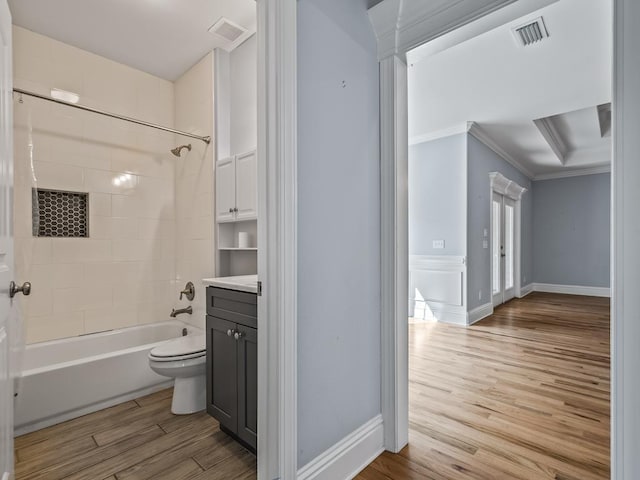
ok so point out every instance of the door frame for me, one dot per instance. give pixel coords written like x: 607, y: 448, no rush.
x: 402, y: 25
x: 501, y: 185
x: 277, y: 239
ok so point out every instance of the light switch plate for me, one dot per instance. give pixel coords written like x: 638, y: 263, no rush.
x: 438, y: 244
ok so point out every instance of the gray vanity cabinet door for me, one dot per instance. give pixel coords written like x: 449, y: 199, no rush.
x: 222, y: 372
x: 248, y: 385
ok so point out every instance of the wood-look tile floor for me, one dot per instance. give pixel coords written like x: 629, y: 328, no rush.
x: 136, y: 440
x: 523, y: 394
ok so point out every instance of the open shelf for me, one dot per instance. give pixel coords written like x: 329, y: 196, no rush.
x: 233, y: 249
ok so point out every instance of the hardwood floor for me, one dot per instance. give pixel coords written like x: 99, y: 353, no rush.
x: 137, y: 440
x: 523, y: 394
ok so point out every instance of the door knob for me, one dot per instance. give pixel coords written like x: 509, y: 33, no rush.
x: 24, y: 289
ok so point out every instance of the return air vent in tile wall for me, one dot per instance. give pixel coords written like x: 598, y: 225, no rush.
x: 531, y: 32
x: 60, y: 214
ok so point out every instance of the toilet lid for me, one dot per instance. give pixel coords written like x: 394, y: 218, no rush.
x: 188, y: 345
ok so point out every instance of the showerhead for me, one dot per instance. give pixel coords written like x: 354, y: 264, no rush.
x: 176, y: 151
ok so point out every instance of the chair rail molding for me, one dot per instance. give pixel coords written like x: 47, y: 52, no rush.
x: 277, y: 237
x: 399, y: 26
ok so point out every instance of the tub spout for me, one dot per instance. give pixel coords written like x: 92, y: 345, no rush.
x: 175, y: 313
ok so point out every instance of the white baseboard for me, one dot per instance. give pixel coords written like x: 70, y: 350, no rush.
x: 526, y: 290
x: 572, y: 290
x: 349, y: 456
x: 478, y: 313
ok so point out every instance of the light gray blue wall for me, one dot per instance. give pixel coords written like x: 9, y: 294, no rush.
x: 437, y: 196
x: 571, y: 230
x: 482, y: 161
x: 338, y: 223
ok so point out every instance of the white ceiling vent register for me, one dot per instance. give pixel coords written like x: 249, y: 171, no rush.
x: 531, y: 32
x: 231, y: 33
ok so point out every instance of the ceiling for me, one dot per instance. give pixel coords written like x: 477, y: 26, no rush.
x: 537, y: 104
x: 161, y: 37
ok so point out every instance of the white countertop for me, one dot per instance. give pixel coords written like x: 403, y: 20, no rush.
x: 243, y: 283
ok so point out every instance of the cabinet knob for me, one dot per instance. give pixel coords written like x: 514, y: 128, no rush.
x: 235, y: 209
x: 230, y: 333
x: 238, y: 335
x: 231, y: 210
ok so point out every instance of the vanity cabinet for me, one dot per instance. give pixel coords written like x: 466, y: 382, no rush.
x: 237, y: 188
x: 232, y: 362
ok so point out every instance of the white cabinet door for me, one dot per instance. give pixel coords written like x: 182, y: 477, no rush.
x: 8, y: 316
x: 226, y: 190
x: 246, y: 186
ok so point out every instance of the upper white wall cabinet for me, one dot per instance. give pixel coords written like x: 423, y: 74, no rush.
x: 236, y: 188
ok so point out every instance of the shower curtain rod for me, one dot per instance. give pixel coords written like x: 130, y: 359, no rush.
x: 206, y: 140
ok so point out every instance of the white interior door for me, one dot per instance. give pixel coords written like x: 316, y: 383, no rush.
x: 503, y: 235
x: 7, y: 313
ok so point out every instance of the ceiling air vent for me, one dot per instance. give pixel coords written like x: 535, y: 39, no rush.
x: 531, y: 32
x: 230, y: 33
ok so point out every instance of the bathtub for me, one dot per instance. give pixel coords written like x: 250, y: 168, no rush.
x: 64, y: 379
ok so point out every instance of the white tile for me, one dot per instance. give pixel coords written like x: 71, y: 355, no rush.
x: 130, y: 250
x: 77, y: 250
x: 63, y: 275
x: 100, y: 227
x: 159, y: 269
x: 82, y: 298
x: 100, y: 204
x: 126, y: 206
x: 102, y: 181
x: 33, y: 251
x: 155, y: 228
x: 125, y: 228
x: 60, y: 177
x: 40, y: 302
x: 52, y: 327
x: 103, y: 319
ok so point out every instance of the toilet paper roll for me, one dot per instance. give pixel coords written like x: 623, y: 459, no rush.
x: 244, y: 240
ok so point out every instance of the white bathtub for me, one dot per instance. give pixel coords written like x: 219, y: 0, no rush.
x: 64, y: 379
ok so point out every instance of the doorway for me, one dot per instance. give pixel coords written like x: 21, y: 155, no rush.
x: 503, y: 248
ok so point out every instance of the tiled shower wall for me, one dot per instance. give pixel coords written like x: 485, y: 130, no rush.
x: 125, y: 272
x: 194, y: 184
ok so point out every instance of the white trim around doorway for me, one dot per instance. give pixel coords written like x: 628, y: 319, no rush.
x: 277, y: 237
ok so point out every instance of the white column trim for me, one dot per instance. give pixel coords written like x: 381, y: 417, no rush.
x: 277, y: 239
x: 395, y: 251
x: 625, y: 262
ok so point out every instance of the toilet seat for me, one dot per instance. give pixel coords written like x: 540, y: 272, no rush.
x: 183, y: 348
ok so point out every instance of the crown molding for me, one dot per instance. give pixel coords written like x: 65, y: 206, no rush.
x: 552, y: 136
x: 445, y: 132
x: 482, y: 137
x: 574, y: 173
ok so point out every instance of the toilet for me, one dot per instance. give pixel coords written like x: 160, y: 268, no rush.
x: 183, y: 359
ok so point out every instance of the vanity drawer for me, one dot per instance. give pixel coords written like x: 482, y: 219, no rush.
x: 239, y: 307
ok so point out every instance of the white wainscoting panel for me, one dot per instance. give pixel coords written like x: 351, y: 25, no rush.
x: 437, y: 287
